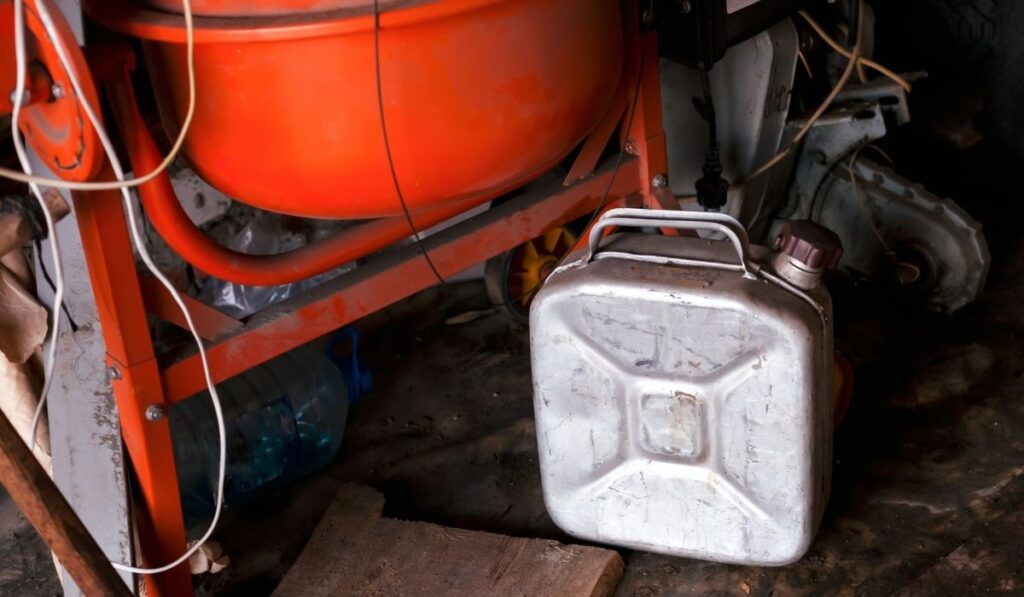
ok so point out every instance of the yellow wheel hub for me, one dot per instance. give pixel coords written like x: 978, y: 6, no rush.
x: 534, y: 261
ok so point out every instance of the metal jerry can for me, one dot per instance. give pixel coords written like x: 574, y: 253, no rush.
x: 682, y: 388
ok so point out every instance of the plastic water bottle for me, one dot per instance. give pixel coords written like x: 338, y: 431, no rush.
x: 284, y: 419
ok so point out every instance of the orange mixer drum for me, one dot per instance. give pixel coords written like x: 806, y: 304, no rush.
x: 480, y: 96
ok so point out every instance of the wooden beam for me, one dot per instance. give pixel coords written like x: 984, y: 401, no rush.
x: 43, y: 505
x: 354, y: 551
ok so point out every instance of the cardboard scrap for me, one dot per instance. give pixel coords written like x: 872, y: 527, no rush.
x: 23, y: 327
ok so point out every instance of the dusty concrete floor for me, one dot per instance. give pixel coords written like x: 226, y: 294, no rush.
x: 928, y: 492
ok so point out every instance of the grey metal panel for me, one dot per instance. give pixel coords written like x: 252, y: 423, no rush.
x: 85, y: 438
x: 751, y: 88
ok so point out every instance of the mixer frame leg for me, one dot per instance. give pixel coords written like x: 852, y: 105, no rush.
x: 135, y: 379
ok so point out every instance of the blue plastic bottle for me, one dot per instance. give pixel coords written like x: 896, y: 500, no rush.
x: 284, y: 419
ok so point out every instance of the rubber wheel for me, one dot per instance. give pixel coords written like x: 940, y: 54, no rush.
x: 514, y: 277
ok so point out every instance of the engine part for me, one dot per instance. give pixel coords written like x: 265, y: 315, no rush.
x: 934, y: 247
x: 833, y: 139
x: 683, y: 394
x: 887, y: 223
x: 863, y: 114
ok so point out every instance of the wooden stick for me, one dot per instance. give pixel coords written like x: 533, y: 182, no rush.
x: 42, y: 503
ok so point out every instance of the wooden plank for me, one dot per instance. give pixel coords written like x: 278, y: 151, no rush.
x: 355, y: 552
x: 44, y: 506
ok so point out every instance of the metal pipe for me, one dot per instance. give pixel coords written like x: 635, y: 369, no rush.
x: 181, y: 234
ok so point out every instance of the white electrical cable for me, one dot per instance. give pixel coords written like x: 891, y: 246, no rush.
x: 51, y: 32
x: 21, y: 66
x: 28, y: 178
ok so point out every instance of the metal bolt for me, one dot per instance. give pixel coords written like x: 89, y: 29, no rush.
x: 631, y: 147
x: 26, y: 97
x: 685, y: 7
x: 660, y: 181
x: 56, y: 91
x: 154, y: 412
x: 113, y: 373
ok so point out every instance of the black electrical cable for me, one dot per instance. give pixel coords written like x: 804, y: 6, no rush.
x: 615, y: 171
x: 709, y: 108
x: 712, y: 189
x: 387, y: 145
x: 53, y: 287
x: 855, y: 24
x: 394, y: 173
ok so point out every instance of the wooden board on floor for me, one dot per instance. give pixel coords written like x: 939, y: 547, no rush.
x: 356, y: 552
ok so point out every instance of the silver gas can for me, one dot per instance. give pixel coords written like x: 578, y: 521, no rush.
x: 682, y: 389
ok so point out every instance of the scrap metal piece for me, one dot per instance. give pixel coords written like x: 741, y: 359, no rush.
x: 931, y: 243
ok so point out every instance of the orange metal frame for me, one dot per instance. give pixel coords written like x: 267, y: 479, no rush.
x: 124, y: 297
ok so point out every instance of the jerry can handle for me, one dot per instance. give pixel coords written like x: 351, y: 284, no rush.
x: 679, y: 220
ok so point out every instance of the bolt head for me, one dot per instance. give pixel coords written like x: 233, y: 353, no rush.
x: 113, y: 373
x: 56, y: 91
x: 685, y: 7
x: 26, y: 97
x: 154, y: 412
x: 660, y: 181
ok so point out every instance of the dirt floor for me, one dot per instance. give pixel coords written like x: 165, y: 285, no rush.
x: 25, y: 564
x: 928, y: 490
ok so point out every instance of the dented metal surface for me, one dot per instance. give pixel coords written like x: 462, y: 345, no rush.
x: 682, y: 409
